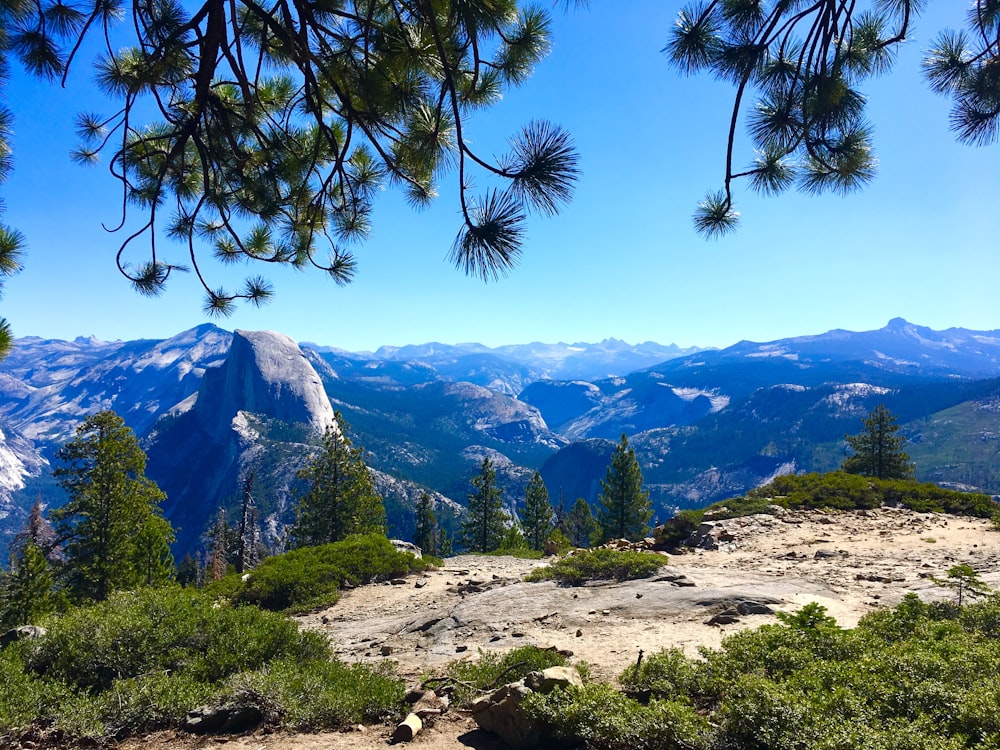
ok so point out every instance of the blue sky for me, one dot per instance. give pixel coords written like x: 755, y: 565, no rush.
x: 622, y: 261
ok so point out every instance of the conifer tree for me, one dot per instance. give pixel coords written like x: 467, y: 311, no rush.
x: 38, y: 530
x: 113, y: 508
x: 579, y: 524
x: 536, y: 517
x: 341, y: 499
x: 625, y: 509
x: 220, y: 543
x: 878, y: 450
x: 246, y: 551
x: 26, y: 591
x: 485, y: 519
x: 297, y: 117
x: 188, y: 571
x: 426, y: 533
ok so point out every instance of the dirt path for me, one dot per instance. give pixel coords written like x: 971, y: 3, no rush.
x: 850, y: 562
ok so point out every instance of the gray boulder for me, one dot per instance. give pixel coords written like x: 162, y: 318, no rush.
x: 501, y: 713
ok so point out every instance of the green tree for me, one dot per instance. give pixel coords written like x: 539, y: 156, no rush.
x: 485, y: 519
x: 536, y: 517
x: 297, y: 115
x: 26, y: 591
x: 341, y: 499
x: 625, y: 510
x: 965, y: 582
x: 220, y: 543
x: 579, y: 525
x: 426, y: 533
x: 112, y: 521
x: 805, y: 65
x: 878, y: 450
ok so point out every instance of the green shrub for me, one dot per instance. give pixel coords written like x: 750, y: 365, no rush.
x: 320, y: 694
x: 170, y: 629
x: 492, y: 669
x: 24, y: 696
x: 600, y: 564
x: 662, y: 675
x: 142, y: 660
x: 311, y: 577
x: 602, y: 717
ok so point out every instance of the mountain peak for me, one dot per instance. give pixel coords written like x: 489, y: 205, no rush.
x: 265, y: 372
x: 898, y: 324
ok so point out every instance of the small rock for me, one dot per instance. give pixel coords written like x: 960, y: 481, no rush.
x: 386, y: 650
x: 579, y: 633
x: 753, y: 608
x: 420, y: 583
x: 723, y: 618
x: 461, y: 649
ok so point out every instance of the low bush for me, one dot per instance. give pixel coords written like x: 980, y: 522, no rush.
x: 165, y: 630
x: 320, y: 694
x: 311, y: 577
x: 600, y: 564
x: 142, y: 660
x: 599, y: 716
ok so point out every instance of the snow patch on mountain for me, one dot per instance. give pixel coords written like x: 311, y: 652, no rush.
x: 846, y: 393
x: 719, y: 401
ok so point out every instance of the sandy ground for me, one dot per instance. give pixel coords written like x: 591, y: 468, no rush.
x: 850, y: 562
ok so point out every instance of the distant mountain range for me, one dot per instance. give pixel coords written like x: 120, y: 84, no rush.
x: 211, y: 406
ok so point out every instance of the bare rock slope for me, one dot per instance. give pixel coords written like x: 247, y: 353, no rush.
x: 851, y: 562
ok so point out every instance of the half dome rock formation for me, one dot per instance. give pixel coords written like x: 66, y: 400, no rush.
x: 258, y: 411
x: 265, y: 373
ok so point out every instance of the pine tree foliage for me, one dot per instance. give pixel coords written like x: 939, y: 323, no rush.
x: 341, y: 499
x: 27, y: 590
x: 625, y: 510
x: 247, y: 537
x: 111, y: 525
x: 965, y: 65
x: 220, y: 542
x: 536, y: 517
x: 426, y: 532
x: 579, y: 524
x: 263, y: 132
x: 804, y: 65
x: 485, y: 520
x: 878, y: 450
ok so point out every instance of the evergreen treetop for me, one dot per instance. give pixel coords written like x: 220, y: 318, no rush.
x: 625, y: 510
x: 341, y: 499
x: 112, y: 520
x: 485, y: 519
x: 537, y: 515
x: 878, y: 450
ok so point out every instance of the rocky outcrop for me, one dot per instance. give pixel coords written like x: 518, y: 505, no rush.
x: 501, y: 712
x: 264, y: 373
